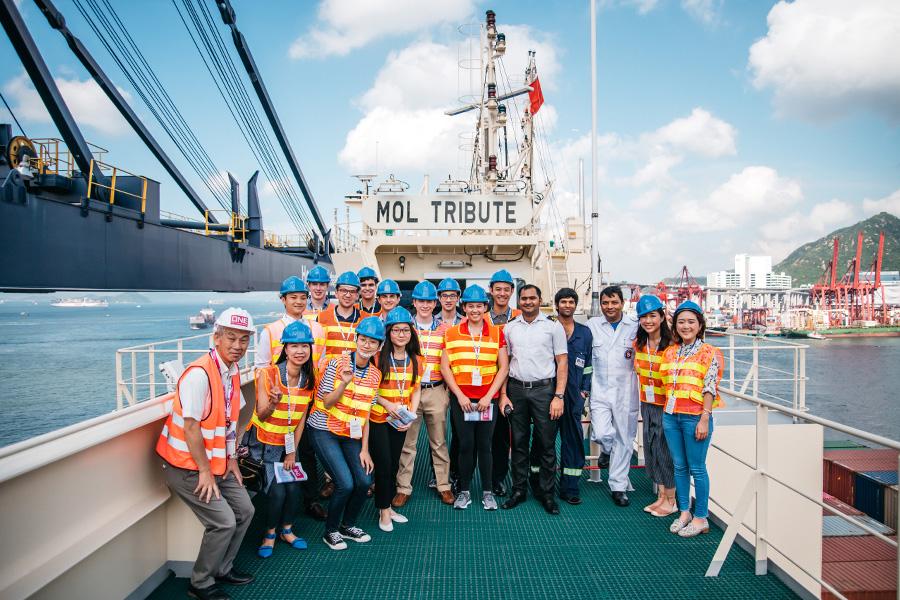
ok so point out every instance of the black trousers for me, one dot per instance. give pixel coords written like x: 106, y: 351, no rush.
x: 281, y: 506
x: 472, y: 437
x: 385, y: 447
x: 500, y: 449
x: 532, y: 406
x: 306, y: 455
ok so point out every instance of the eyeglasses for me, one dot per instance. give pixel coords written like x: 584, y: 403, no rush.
x: 347, y: 290
x: 404, y: 331
x: 449, y: 296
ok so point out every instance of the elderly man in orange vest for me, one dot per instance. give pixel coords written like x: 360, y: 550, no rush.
x: 198, y: 444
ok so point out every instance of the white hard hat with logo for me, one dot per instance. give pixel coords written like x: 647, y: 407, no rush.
x: 235, y: 318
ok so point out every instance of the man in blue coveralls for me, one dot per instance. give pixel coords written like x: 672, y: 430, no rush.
x: 578, y: 389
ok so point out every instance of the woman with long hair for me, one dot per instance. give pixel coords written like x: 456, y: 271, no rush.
x: 400, y: 363
x: 652, y: 339
x: 284, y: 391
x: 691, y: 370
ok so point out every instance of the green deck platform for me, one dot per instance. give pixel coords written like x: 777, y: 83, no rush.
x: 595, y: 550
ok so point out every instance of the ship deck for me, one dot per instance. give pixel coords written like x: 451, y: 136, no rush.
x: 595, y: 550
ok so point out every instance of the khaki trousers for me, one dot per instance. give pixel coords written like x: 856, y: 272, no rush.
x: 432, y: 409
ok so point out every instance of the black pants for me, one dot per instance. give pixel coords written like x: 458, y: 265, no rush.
x: 532, y: 406
x: 472, y: 437
x: 385, y: 447
x: 500, y: 450
x: 306, y: 454
x: 281, y: 505
x: 454, y: 443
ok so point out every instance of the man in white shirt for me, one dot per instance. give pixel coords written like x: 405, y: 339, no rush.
x: 538, y: 370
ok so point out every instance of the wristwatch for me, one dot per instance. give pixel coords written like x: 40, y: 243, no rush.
x: 560, y: 396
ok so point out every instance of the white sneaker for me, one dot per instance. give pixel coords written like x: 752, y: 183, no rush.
x: 488, y: 501
x: 398, y: 518
x: 463, y: 500
x: 388, y: 528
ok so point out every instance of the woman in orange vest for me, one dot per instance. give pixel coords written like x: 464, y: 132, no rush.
x: 283, y: 394
x: 474, y: 365
x: 652, y: 339
x: 339, y: 429
x: 401, y: 366
x: 691, y: 370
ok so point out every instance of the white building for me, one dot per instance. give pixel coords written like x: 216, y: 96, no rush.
x: 723, y: 279
x: 778, y: 281
x: 749, y: 272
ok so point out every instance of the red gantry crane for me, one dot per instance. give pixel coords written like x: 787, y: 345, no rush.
x: 851, y: 298
x: 685, y: 288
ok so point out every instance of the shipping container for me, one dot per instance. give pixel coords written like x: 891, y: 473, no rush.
x: 890, y: 506
x: 868, y: 495
x: 883, y: 454
x: 841, y: 444
x: 875, y: 462
x: 840, y: 483
x: 840, y: 506
x: 839, y: 526
x: 856, y: 549
x: 874, y: 580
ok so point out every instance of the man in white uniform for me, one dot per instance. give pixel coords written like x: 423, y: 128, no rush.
x: 614, y: 389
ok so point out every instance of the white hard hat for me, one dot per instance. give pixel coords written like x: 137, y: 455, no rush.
x: 235, y: 318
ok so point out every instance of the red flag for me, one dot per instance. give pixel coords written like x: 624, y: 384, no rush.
x: 535, y: 96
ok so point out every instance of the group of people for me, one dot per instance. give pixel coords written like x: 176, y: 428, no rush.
x: 347, y: 385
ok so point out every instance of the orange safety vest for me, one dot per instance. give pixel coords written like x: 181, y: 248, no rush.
x: 276, y: 328
x: 288, y: 412
x: 365, y: 313
x: 431, y: 343
x: 397, y: 386
x: 514, y: 312
x: 339, y: 336
x: 647, y: 366
x: 684, y: 377
x: 310, y: 314
x: 172, y: 444
x: 356, y: 401
x: 461, y: 352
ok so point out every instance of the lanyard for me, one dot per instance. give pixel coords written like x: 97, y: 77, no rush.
x: 227, y: 388
x: 477, y: 346
x: 650, y: 357
x: 401, y: 384
x: 420, y: 330
x: 341, y: 325
x: 287, y: 384
x: 679, y: 363
x: 365, y: 370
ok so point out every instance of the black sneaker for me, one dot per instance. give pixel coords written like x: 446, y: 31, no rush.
x: 354, y: 533
x: 334, y: 540
x: 603, y: 460
x: 499, y: 490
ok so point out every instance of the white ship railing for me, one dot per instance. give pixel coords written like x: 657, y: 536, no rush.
x: 756, y: 490
x: 138, y: 374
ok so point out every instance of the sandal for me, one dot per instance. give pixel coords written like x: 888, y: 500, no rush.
x: 690, y: 530
x: 677, y: 525
x: 266, y: 551
x: 299, y: 543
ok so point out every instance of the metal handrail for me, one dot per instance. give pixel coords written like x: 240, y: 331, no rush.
x: 111, y: 187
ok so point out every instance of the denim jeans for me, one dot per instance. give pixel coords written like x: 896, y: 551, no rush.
x: 689, y: 460
x: 340, y: 457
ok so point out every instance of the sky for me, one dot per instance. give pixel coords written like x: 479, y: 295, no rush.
x: 724, y: 127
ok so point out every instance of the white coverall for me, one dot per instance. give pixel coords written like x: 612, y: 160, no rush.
x: 615, y: 398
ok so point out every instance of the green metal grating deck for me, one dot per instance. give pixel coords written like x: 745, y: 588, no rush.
x: 595, y: 550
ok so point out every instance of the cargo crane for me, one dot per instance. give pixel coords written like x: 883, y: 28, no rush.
x: 685, y: 288
x: 851, y: 299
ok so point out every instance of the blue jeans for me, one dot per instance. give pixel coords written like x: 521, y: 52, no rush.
x: 689, y: 460
x: 340, y: 457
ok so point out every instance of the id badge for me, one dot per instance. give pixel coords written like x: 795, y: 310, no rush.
x: 356, y: 428
x: 426, y: 376
x: 229, y: 447
x: 649, y: 394
x: 289, y: 442
x: 670, y: 405
x: 476, y: 378
x: 579, y: 362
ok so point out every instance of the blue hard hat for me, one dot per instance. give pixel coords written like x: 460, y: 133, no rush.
x: 647, y: 304
x: 449, y: 285
x: 474, y: 293
x: 318, y: 274
x: 367, y: 273
x: 424, y: 290
x: 388, y: 286
x: 297, y: 332
x: 347, y: 278
x: 502, y: 276
x: 371, y: 327
x: 688, y: 305
x: 398, y: 315
x: 293, y: 285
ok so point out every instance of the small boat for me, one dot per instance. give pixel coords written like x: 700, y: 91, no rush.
x: 208, y: 314
x: 815, y: 335
x: 198, y: 322
x: 80, y: 303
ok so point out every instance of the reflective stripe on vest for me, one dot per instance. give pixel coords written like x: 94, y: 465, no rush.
x: 356, y: 402
x: 392, y: 383
x: 684, y: 378
x: 432, y: 344
x: 460, y: 349
x: 288, y: 412
x: 339, y: 336
x: 648, y: 368
x: 172, y: 443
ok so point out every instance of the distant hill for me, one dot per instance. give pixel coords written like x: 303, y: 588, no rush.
x: 807, y: 263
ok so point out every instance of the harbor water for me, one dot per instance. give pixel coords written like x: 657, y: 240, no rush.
x: 59, y: 363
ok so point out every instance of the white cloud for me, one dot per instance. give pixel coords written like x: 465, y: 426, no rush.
x: 889, y: 204
x: 705, y: 11
x: 827, y: 58
x: 87, y: 102
x: 699, y: 133
x: 345, y: 25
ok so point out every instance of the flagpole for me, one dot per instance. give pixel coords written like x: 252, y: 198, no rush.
x: 595, y: 187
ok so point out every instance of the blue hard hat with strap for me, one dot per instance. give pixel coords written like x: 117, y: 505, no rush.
x: 398, y: 315
x: 502, y: 276
x: 347, y: 278
x: 388, y: 286
x: 367, y: 273
x: 371, y: 327
x: 297, y: 332
x: 318, y: 274
x: 688, y: 305
x: 474, y: 293
x: 293, y: 285
x: 647, y: 304
x: 424, y: 290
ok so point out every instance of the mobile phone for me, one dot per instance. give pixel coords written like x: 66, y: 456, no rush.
x: 507, y: 410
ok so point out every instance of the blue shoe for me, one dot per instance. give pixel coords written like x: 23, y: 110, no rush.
x: 266, y: 551
x: 299, y: 543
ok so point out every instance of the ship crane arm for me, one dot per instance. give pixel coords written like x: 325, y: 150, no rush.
x: 458, y: 111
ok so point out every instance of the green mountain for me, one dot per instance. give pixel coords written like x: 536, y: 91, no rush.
x: 807, y: 263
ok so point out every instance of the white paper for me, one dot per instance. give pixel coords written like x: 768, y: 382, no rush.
x: 480, y: 416
x: 295, y: 474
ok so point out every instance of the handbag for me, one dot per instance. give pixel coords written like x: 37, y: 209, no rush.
x: 253, y: 471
